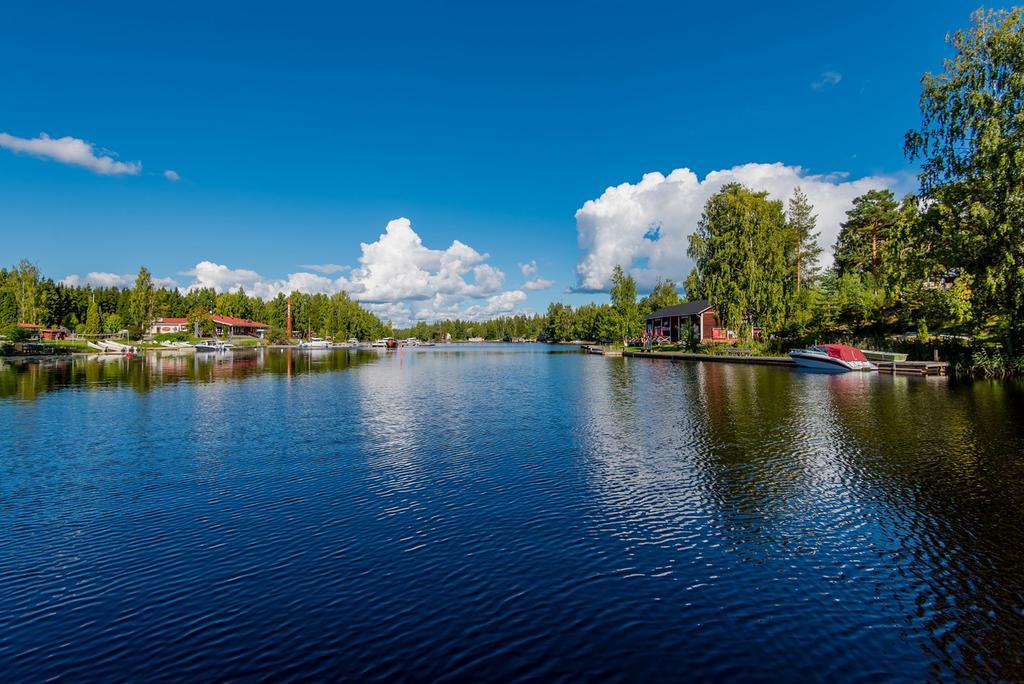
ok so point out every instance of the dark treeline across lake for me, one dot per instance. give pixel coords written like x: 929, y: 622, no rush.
x: 503, y: 512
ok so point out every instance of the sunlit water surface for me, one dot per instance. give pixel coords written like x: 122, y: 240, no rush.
x: 498, y: 512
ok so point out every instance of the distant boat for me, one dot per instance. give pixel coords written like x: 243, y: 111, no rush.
x: 386, y: 343
x: 475, y: 339
x: 315, y: 343
x: 214, y: 346
x: 425, y: 344
x: 836, y: 358
x: 411, y: 342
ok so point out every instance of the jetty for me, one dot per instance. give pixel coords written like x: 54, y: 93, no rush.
x: 602, y: 349
x: 908, y: 367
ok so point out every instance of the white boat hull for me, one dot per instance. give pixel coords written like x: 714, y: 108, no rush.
x: 824, y: 362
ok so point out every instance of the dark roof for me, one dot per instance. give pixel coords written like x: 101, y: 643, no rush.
x: 684, y: 309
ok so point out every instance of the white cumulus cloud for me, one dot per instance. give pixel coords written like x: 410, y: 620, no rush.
x: 528, y: 269
x: 645, y: 226
x: 172, y: 175
x: 399, y: 267
x: 68, y: 150
x: 398, y: 278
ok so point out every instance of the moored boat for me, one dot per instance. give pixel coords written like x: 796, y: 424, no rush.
x: 386, y: 343
x: 315, y: 343
x: 836, y: 358
x: 214, y: 346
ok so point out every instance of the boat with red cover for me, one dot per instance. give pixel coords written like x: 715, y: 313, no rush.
x: 837, y: 358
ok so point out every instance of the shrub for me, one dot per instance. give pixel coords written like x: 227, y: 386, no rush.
x: 172, y: 337
x: 15, y: 334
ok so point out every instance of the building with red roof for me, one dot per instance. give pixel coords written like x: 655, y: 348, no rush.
x: 161, y: 326
x: 229, y: 325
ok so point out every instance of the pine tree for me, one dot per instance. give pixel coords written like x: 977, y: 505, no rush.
x: 93, y: 319
x: 869, y: 224
x: 803, y: 249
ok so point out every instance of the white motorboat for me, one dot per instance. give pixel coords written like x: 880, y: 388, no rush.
x: 315, y: 343
x: 386, y: 343
x: 214, y: 346
x: 836, y: 358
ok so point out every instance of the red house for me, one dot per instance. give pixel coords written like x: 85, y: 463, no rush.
x: 690, y: 320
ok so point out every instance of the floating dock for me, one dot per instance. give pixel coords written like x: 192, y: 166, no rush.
x: 911, y: 367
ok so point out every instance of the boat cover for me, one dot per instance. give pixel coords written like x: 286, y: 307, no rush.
x: 844, y: 352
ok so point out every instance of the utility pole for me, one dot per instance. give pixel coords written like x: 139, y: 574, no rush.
x: 289, y: 323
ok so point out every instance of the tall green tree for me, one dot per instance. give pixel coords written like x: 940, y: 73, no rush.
x: 740, y: 259
x: 802, y: 250
x: 863, y: 236
x: 972, y: 167
x: 25, y: 282
x: 623, y: 293
x: 141, y: 303
x: 8, y: 308
x: 559, y: 324
x: 93, y: 319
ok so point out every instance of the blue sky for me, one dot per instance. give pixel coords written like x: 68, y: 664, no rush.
x: 299, y: 134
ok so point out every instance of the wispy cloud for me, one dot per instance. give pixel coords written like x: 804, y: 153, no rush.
x: 326, y: 268
x: 528, y: 269
x: 68, y: 150
x: 103, y: 279
x: 172, y: 175
x: 538, y: 284
x: 827, y: 79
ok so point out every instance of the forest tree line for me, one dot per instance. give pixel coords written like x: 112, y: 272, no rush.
x: 26, y: 296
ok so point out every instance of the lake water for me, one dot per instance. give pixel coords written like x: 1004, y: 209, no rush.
x: 502, y: 512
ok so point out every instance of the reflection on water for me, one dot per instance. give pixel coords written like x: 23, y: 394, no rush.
x: 29, y: 379
x: 503, y: 512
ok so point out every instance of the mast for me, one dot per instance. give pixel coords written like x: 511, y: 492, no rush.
x: 289, y: 323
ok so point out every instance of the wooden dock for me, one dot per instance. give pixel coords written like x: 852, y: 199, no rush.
x: 915, y: 367
x: 600, y: 349
x: 912, y: 367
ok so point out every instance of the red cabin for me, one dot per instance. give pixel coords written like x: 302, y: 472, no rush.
x: 690, y: 320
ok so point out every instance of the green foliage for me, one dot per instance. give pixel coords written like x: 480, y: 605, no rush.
x: 93, y: 320
x: 970, y: 145
x: 113, y: 323
x: 739, y: 250
x: 277, y: 335
x: 142, y: 303
x: 15, y: 334
x: 200, y: 316
x: 802, y: 250
x: 8, y: 308
x: 559, y: 324
x: 627, y: 323
x: 664, y: 294
x: 866, y: 231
